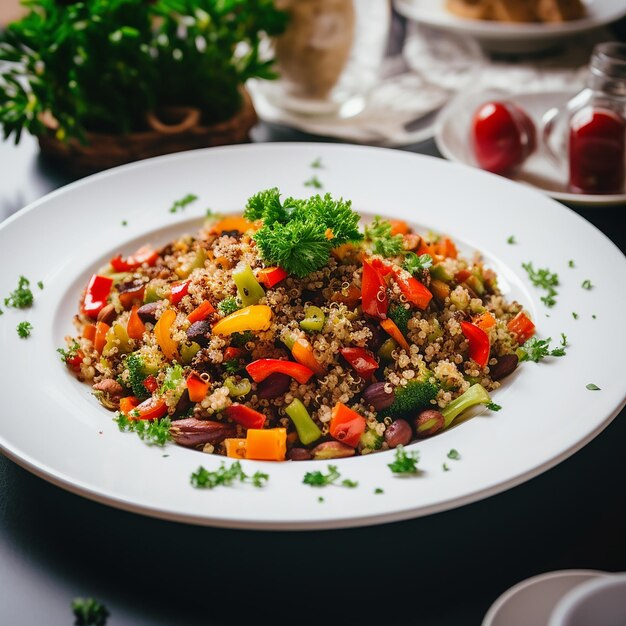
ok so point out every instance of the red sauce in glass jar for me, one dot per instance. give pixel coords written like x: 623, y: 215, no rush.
x: 597, y: 151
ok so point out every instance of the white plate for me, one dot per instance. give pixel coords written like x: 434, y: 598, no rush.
x: 531, y: 601
x: 52, y: 426
x: 514, y: 37
x: 539, y: 171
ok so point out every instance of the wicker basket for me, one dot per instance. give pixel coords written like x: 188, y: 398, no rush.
x: 172, y: 129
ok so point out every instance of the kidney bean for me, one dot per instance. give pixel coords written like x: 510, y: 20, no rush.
x: 378, y: 397
x: 200, y: 332
x: 506, y: 365
x: 273, y: 386
x: 398, y: 433
x: 299, y: 454
x: 428, y: 422
x: 147, y: 312
x: 107, y: 314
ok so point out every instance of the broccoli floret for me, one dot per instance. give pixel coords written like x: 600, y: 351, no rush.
x: 400, y: 317
x: 136, y: 375
x: 415, y: 395
x: 476, y: 394
x: 371, y: 440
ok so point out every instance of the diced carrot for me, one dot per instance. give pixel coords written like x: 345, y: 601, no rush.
x: 399, y: 227
x: 522, y: 326
x: 201, y: 312
x: 446, y: 248
x: 302, y: 352
x: 197, y: 387
x: 128, y: 403
x: 135, y: 327
x: 350, y: 297
x: 391, y: 328
x: 89, y: 332
x: 425, y: 248
x: 346, y: 425
x: 100, y: 338
x: 484, y: 321
x: 233, y: 222
x: 266, y: 444
x: 235, y: 448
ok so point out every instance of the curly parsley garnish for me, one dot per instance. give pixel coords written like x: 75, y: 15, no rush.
x: 417, y: 264
x: 492, y: 406
x: 298, y: 234
x: 181, y: 204
x: 318, y: 479
x: 24, y: 329
x: 544, y: 279
x: 22, y: 296
x: 537, y: 349
x: 378, y: 233
x: 228, y: 305
x: 226, y: 476
x: 89, y: 612
x: 405, y: 462
x: 153, y: 432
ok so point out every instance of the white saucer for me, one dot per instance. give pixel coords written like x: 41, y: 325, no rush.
x: 539, y: 171
x: 531, y: 601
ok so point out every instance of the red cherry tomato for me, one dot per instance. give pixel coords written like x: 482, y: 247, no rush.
x: 502, y: 136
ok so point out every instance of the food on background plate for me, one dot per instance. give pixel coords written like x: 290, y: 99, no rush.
x: 548, y: 11
x: 502, y: 136
x: 295, y: 331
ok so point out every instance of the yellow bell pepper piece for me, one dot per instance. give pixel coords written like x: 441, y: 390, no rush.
x: 235, y: 448
x: 266, y: 444
x: 254, y: 317
x: 162, y: 332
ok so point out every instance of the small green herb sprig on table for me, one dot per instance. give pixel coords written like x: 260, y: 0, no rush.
x: 89, y: 612
x: 102, y: 66
x: 226, y: 476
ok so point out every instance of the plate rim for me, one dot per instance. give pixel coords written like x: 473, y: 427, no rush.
x: 348, y: 522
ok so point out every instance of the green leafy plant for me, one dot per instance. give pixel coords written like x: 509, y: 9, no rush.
x: 101, y: 65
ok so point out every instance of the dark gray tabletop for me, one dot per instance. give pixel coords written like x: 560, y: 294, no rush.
x: 441, y: 570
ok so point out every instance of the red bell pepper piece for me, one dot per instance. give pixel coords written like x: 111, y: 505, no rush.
x: 74, y: 360
x: 271, y: 276
x: 346, y: 425
x: 151, y: 384
x: 145, y: 254
x: 233, y: 353
x: 127, y: 404
x: 414, y: 291
x: 478, y: 343
x: 522, y: 326
x: 96, y: 295
x: 197, y: 387
x: 179, y: 291
x: 244, y: 415
x: 260, y: 369
x: 363, y: 361
x: 374, y: 290
x: 151, y: 409
x: 201, y: 312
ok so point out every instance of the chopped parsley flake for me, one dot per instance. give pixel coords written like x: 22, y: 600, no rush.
x: 317, y: 164
x: 544, y: 279
x: 226, y: 476
x: 181, y: 204
x: 575, y: 315
x: 320, y: 499
x: 511, y: 239
x: 586, y: 284
x: 454, y: 455
x: 593, y: 387
x: 417, y: 264
x: 24, y: 329
x: 40, y: 284
x: 89, y: 612
x: 570, y: 263
x: 537, y: 349
x: 378, y: 490
x: 378, y: 232
x: 593, y: 316
x: 314, y: 181
x: 319, y: 479
x: 445, y: 467
x: 124, y: 223
x: 153, y: 432
x: 405, y: 462
x: 22, y: 296
x: 492, y: 406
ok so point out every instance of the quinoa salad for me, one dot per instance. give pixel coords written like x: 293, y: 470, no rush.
x: 295, y: 330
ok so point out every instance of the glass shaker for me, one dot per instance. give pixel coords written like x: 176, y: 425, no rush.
x: 329, y: 57
x: 587, y: 136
